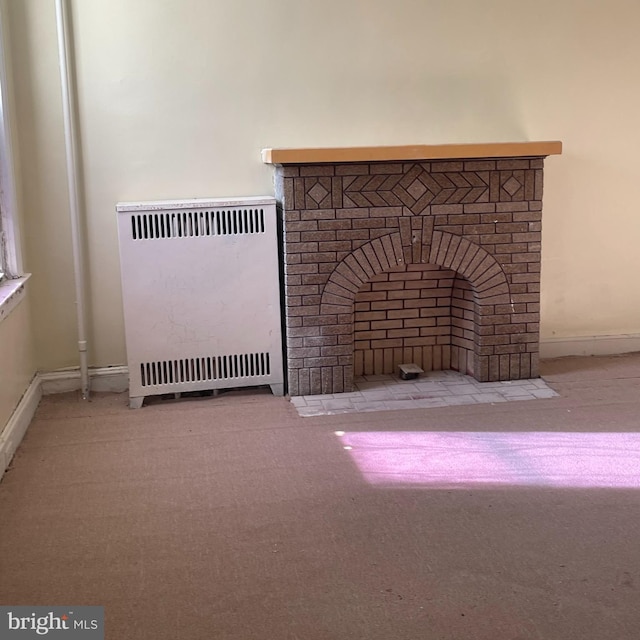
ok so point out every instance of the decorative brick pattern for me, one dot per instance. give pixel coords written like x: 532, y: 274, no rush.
x: 356, y: 235
x: 417, y: 188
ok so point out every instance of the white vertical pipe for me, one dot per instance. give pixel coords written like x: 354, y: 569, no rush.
x: 70, y: 135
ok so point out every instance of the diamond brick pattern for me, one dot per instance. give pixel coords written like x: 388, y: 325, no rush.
x: 356, y: 238
x: 512, y: 186
x: 417, y: 189
x: 318, y: 193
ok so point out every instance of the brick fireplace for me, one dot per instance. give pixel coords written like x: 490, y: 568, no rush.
x: 420, y: 254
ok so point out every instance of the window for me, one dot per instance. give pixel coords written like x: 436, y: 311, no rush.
x: 12, y: 279
x: 10, y: 258
x: 3, y: 252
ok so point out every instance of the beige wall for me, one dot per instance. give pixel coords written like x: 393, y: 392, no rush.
x: 17, y: 364
x: 177, y: 97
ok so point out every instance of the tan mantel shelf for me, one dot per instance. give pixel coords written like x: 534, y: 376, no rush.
x: 412, y: 152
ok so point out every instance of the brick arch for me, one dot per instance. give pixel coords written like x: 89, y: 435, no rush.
x: 446, y: 250
x: 489, y: 285
x: 474, y: 263
x: 357, y: 268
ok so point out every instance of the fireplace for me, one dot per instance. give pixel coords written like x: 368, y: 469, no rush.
x: 421, y: 254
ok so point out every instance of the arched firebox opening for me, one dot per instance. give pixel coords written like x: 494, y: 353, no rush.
x: 480, y: 315
x: 415, y: 313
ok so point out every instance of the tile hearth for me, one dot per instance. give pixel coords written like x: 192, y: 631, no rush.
x: 436, y: 389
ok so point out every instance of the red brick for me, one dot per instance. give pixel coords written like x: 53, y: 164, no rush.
x: 512, y: 164
x: 317, y: 214
x: 386, y: 304
x: 335, y: 329
x: 314, y: 236
x: 464, y: 219
x: 291, y: 216
x: 527, y: 216
x: 486, y: 218
x: 336, y: 350
x: 386, y: 324
x: 319, y: 341
x: 495, y: 238
x: 403, y: 333
x: 479, y: 208
x: 404, y: 294
x: 512, y: 207
x: 343, y: 245
x: 479, y: 165
x: 318, y: 257
x: 508, y: 349
x: 478, y: 229
x: 418, y: 341
x: 531, y: 236
x: 394, y: 314
x: 526, y: 257
x: 386, y: 344
x: 317, y: 321
x: 512, y: 248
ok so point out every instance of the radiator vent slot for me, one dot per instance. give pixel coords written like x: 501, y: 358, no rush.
x: 190, y: 224
x: 203, y: 369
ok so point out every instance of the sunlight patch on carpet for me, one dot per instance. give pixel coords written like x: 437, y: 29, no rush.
x: 471, y: 459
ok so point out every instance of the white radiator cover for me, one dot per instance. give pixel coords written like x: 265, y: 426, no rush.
x: 201, y: 295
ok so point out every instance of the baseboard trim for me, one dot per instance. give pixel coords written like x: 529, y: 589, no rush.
x: 590, y: 346
x: 109, y: 379
x: 11, y: 436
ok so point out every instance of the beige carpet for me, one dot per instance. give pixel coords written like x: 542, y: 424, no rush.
x: 234, y: 518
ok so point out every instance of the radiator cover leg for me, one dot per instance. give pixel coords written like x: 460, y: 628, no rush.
x: 136, y: 402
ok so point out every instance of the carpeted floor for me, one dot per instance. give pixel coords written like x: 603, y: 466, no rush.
x: 234, y: 518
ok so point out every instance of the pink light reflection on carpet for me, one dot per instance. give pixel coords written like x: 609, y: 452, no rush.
x: 462, y: 459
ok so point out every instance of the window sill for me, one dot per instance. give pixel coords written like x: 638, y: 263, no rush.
x: 11, y: 293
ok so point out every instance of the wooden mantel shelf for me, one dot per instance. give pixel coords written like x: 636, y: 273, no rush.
x: 412, y: 152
